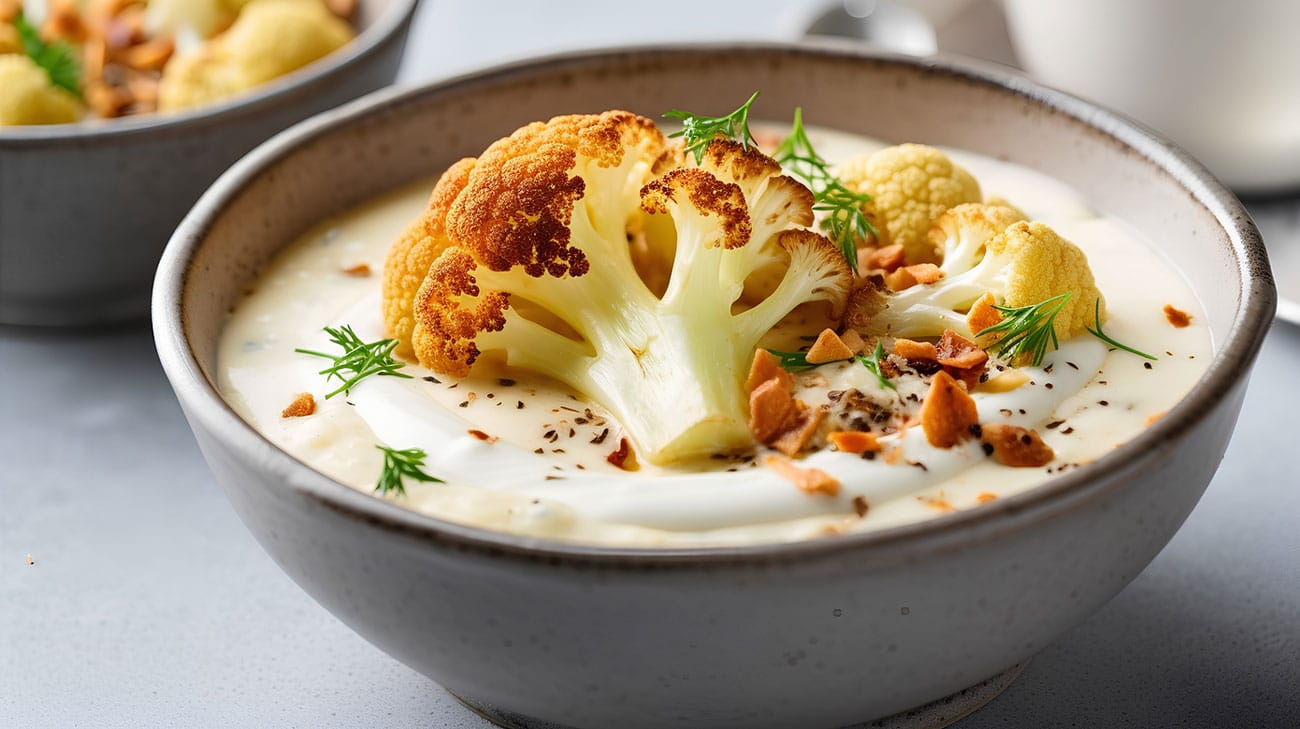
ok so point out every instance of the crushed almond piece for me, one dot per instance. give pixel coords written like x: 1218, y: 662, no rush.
x: 957, y: 351
x: 925, y: 273
x: 765, y: 367
x: 799, y: 433
x: 939, y: 503
x: 1151, y: 419
x: 947, y: 413
x: 917, y: 351
x: 771, y: 410
x: 888, y: 258
x: 853, y: 441
x: 360, y: 270
x: 808, y: 480
x: 151, y: 55
x: 1015, y: 446
x: 489, y: 439
x: 982, y: 315
x: 909, y: 276
x: 1177, y: 317
x: 853, y: 341
x: 304, y: 404
x: 1009, y: 380
x: 623, y: 457
x: 985, y: 496
x: 828, y: 348
x: 962, y: 358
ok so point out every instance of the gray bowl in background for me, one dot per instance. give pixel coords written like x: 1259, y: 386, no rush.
x: 85, y: 209
x: 817, y: 634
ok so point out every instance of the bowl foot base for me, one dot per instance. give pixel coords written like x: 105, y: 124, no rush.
x: 936, y: 714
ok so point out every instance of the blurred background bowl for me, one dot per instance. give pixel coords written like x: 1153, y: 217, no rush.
x: 819, y: 634
x: 85, y: 209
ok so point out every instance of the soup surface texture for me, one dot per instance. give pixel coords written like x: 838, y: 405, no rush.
x: 522, y: 454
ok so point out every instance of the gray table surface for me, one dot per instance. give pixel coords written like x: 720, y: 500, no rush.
x: 146, y: 603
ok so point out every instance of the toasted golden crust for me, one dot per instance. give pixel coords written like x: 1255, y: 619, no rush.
x: 446, y: 343
x: 709, y: 195
x: 409, y: 259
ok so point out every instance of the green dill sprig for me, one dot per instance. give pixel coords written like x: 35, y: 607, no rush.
x: 844, y: 217
x: 399, y: 464
x: 56, y: 58
x: 359, y: 359
x: 1028, y: 329
x: 1098, y: 333
x: 698, y: 130
x: 872, y: 363
x: 797, y: 361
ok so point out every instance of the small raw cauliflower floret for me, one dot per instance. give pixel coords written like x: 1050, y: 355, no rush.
x: 533, y: 263
x: 960, y: 233
x: 269, y: 39
x: 1025, y: 264
x: 910, y: 185
x: 28, y: 97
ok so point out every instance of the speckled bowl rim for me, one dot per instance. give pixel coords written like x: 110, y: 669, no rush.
x: 1058, y: 496
x: 277, y: 92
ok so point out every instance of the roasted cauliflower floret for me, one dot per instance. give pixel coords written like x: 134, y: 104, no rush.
x: 1025, y: 264
x: 910, y: 185
x: 28, y: 97
x: 269, y: 39
x: 533, y: 264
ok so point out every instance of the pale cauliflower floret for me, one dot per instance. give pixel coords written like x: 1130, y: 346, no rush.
x: 200, y: 18
x: 28, y: 97
x: 909, y: 185
x: 269, y: 39
x: 1026, y: 264
x: 532, y: 262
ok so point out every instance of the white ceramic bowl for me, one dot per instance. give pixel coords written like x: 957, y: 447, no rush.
x: 85, y: 209
x: 817, y: 634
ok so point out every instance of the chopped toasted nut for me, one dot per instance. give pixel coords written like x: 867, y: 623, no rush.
x: 948, y: 412
x: 1006, y: 382
x: 982, y: 315
x: 860, y: 506
x: 1016, y: 446
x: 939, y: 503
x: 151, y: 55
x: 766, y: 367
x: 853, y: 341
x: 925, y: 273
x: 909, y: 276
x: 853, y: 441
x: 985, y: 496
x: 961, y: 358
x: 956, y: 351
x: 916, y: 351
x: 771, y: 410
x: 1177, y: 317
x: 888, y: 258
x: 301, y: 406
x: 798, y: 434
x: 9, y: 10
x: 808, y: 480
x: 360, y: 270
x: 489, y: 439
x: 828, y: 348
x: 63, y: 22
x: 623, y: 457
